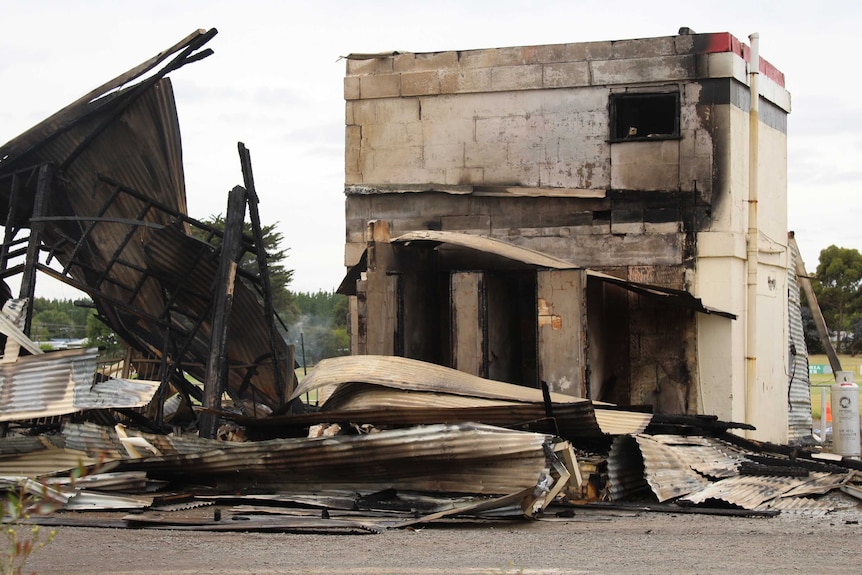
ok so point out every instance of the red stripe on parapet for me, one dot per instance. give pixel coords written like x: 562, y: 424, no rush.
x: 727, y: 42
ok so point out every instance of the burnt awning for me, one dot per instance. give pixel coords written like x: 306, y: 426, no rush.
x: 482, y: 246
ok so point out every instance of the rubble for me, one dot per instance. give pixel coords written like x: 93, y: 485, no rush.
x: 392, y: 442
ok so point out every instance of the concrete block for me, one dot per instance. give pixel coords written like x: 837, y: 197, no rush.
x: 465, y: 81
x: 550, y: 53
x: 476, y: 59
x: 485, y: 154
x: 351, y: 88
x: 370, y: 66
x: 362, y: 112
x: 631, y: 71
x: 377, y: 136
x: 565, y: 75
x: 504, y: 78
x: 435, y: 61
x: 495, y: 130
x: 721, y: 65
x: 404, y: 62
x: 396, y: 110
x: 588, y: 51
x: 445, y: 156
x: 643, y: 48
x: 352, y: 146
x: 511, y: 56
x: 442, y: 132
x: 662, y: 228
x: 684, y: 44
x: 385, y: 86
x: 420, y: 83
x: 465, y: 176
x: 396, y: 157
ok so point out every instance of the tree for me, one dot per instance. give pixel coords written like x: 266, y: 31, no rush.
x: 839, y: 277
x: 280, y: 276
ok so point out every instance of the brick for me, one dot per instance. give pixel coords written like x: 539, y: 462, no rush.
x: 564, y: 75
x: 392, y: 135
x: 484, y: 155
x: 385, y: 86
x: 351, y: 88
x: 465, y: 81
x: 420, y: 83
x: 505, y: 78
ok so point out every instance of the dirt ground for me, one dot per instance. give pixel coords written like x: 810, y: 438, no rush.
x: 590, y: 542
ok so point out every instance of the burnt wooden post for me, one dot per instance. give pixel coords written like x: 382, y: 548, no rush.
x: 263, y: 270
x: 28, y: 281
x: 217, y: 364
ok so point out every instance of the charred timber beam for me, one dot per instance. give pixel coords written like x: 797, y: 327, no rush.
x: 263, y: 270
x: 28, y: 281
x: 215, y: 381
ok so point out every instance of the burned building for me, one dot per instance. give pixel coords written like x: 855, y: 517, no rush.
x: 605, y: 217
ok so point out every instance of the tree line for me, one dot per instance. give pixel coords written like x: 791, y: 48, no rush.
x: 837, y: 283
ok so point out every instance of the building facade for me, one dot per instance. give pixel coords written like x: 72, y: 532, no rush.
x: 642, y: 161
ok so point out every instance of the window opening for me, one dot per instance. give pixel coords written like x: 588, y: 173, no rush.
x: 644, y: 116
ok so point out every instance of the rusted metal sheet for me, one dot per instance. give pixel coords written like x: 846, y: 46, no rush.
x: 62, y: 382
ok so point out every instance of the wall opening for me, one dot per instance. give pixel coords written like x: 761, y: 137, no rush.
x: 637, y: 117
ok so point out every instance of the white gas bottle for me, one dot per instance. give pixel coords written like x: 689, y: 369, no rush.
x: 845, y: 416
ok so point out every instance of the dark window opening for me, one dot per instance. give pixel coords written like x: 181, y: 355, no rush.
x: 644, y: 116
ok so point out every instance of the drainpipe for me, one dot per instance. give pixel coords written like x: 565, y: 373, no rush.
x: 752, y: 261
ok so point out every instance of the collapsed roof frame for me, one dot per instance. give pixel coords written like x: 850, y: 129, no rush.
x: 115, y: 218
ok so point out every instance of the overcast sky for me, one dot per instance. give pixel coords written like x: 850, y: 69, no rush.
x: 275, y: 83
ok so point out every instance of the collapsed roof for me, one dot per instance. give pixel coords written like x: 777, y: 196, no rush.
x: 100, y: 186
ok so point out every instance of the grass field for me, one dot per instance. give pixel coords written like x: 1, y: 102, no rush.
x: 848, y: 363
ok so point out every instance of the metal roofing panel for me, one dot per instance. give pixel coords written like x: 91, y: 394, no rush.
x: 466, y: 458
x: 666, y: 471
x: 708, y: 456
x: 62, y: 382
x: 745, y: 491
x: 799, y: 395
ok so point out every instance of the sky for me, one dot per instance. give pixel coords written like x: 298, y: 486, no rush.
x: 275, y: 83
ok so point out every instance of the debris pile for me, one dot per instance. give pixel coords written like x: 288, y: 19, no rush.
x: 399, y: 442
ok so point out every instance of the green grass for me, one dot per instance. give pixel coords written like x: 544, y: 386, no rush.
x: 848, y: 363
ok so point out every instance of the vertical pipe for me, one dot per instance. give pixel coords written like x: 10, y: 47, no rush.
x: 752, y: 236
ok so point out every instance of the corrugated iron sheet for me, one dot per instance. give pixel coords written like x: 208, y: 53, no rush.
x: 708, y: 456
x: 666, y: 472
x: 119, y: 189
x: 62, y: 382
x: 799, y: 395
x: 466, y: 458
x: 377, y: 385
x: 745, y: 491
